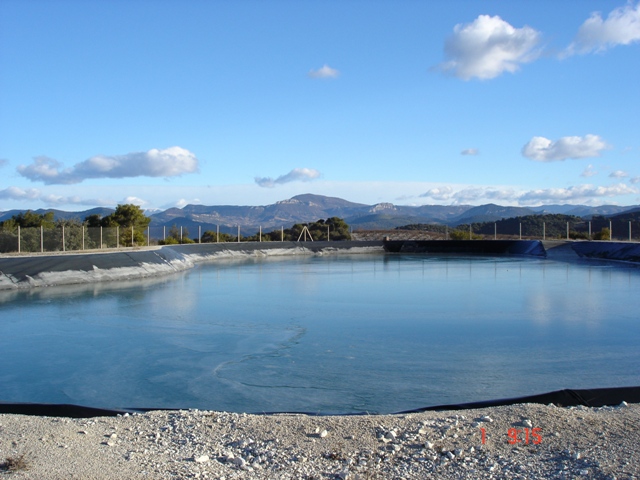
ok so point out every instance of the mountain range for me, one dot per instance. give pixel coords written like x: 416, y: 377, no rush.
x: 309, y: 208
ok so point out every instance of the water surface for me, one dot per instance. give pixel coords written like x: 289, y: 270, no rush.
x: 325, y: 334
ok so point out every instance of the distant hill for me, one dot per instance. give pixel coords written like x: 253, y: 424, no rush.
x: 490, y: 213
x: 309, y: 208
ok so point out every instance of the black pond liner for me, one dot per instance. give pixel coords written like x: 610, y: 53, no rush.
x: 594, y: 397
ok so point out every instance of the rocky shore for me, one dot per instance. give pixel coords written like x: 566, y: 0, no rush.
x: 525, y: 441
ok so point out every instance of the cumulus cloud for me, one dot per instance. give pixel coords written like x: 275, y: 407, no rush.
x: 470, y: 151
x: 488, y: 47
x: 621, y: 27
x: 16, y: 193
x: 618, y: 174
x: 589, y: 171
x: 170, y: 162
x: 573, y: 194
x: 439, y: 193
x: 542, y: 149
x: 135, y: 201
x: 295, y: 175
x: 324, y: 72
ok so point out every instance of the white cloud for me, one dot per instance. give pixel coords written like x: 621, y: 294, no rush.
x: 575, y: 193
x: 170, y: 162
x: 544, y: 150
x: 33, y: 194
x: 618, y: 174
x: 324, y: 72
x: 135, y: 201
x: 16, y: 193
x: 621, y: 27
x: 470, y: 151
x: 297, y: 174
x: 508, y: 195
x: 183, y: 202
x: 488, y: 47
x: 439, y: 193
x: 589, y: 171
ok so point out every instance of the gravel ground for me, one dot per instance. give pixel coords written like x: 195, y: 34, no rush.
x: 514, y: 442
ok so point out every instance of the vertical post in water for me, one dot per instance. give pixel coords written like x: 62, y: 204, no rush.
x: 567, y: 230
x: 41, y: 239
x: 18, y: 238
x: 544, y: 231
x: 63, y: 246
x: 282, y: 233
x: 495, y: 231
x: 260, y: 234
x: 629, y: 230
x: 520, y: 231
x: 238, y: 233
x: 217, y: 233
x: 180, y: 233
x: 164, y: 233
x: 100, y: 237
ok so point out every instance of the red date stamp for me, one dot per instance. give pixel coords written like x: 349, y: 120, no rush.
x: 525, y: 436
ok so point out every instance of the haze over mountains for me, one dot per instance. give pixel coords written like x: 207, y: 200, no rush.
x: 309, y: 208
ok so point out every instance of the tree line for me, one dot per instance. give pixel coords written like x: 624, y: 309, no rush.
x: 127, y: 226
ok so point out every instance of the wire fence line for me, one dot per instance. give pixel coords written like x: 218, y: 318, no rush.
x: 79, y: 237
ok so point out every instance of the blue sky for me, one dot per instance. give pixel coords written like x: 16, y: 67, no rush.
x: 164, y: 103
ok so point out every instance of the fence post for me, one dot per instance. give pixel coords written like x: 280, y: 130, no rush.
x: 41, y: 239
x: 282, y: 233
x: 18, y: 238
x: 260, y: 234
x: 164, y: 233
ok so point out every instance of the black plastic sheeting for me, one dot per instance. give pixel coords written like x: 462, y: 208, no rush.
x: 473, y: 247
x: 595, y: 397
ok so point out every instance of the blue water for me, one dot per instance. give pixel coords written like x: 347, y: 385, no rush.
x: 325, y: 334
